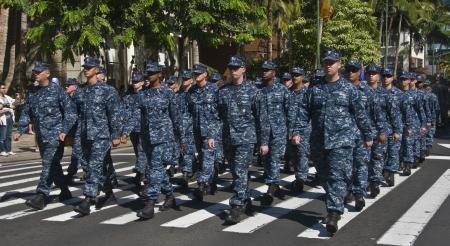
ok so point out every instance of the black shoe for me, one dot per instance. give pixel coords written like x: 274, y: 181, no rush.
x: 421, y: 160
x: 272, y: 191
x: 108, y: 199
x: 349, y: 198
x: 222, y: 167
x: 84, y: 208
x: 389, y: 178
x: 297, y: 186
x: 38, y: 202
x: 212, y: 188
x: 171, y: 171
x: 407, y: 169
x: 234, y: 214
x: 286, y: 168
x: 427, y: 152
x: 64, y: 195
x: 374, y: 189
x: 114, y: 182
x: 138, y: 179
x: 200, y: 192
x: 169, y: 203
x: 314, y: 181
x: 148, y: 211
x: 332, y: 222
x: 359, y: 202
x: 415, y: 164
x: 70, y: 180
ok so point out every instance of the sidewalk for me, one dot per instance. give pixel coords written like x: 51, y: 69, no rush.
x: 25, y: 150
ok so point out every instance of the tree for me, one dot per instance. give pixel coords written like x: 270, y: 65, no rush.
x: 352, y: 30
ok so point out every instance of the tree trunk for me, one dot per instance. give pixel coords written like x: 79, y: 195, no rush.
x: 398, y: 44
x: 291, y: 58
x: 22, y: 65
x: 270, y: 24
x: 11, y: 68
x: 410, y: 50
x: 195, y: 52
x: 380, y: 40
x: 4, y: 16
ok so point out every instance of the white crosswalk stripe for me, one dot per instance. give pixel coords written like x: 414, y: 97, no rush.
x: 318, y: 231
x: 406, y: 230
x: 25, y: 174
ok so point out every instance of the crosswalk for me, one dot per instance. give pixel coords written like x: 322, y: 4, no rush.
x: 18, y: 182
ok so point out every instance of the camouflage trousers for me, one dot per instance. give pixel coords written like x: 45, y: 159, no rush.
x: 51, y: 154
x: 430, y: 136
x: 423, y: 144
x: 175, y: 154
x: 157, y: 157
x: 141, y: 159
x: 271, y: 160
x: 334, y: 168
x: 300, y: 157
x: 377, y: 160
x: 393, y: 155
x: 241, y: 157
x: 206, y: 157
x: 361, y: 158
x: 407, y: 148
x: 95, y: 154
x: 75, y: 159
x: 188, y: 157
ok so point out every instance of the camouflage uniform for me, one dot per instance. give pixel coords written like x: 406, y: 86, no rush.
x: 51, y: 112
x: 332, y: 109
x: 202, y: 105
x: 242, y: 111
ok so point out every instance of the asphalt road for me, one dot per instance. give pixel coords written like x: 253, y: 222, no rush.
x: 416, y: 210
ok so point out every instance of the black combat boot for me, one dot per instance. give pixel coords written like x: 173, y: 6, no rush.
x: 332, y: 222
x: 234, y: 214
x: 272, y: 191
x: 70, y: 180
x: 38, y: 202
x: 374, y: 188
x: 108, y: 199
x: 212, y: 188
x: 65, y: 194
x: 359, y: 202
x: 389, y: 178
x: 184, y: 182
x: 169, y: 203
x: 286, y: 167
x: 84, y: 208
x: 297, y: 186
x: 349, y: 198
x: 148, y: 211
x: 427, y: 152
x: 415, y: 164
x: 407, y: 169
x: 200, y: 191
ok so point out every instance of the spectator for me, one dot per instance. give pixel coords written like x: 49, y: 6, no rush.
x: 7, y: 115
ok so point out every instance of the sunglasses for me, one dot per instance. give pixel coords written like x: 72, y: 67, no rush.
x: 388, y: 76
x: 234, y: 68
x: 352, y: 70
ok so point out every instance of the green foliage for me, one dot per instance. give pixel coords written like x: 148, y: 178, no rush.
x: 351, y: 30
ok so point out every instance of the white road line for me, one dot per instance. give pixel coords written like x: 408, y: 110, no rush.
x: 445, y: 145
x: 438, y: 157
x: 123, y: 154
x: 211, y: 211
x: 25, y: 173
x: 131, y: 216
x: 318, y: 230
x: 24, y: 168
x: 21, y: 181
x: 273, y: 213
x: 51, y: 206
x: 406, y: 230
x: 21, y: 164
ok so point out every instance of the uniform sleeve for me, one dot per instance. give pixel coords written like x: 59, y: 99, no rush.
x: 303, y: 116
x: 175, y: 116
x: 212, y: 118
x: 377, y: 111
x: 114, y: 107
x: 130, y: 115
x: 69, y: 111
x: 362, y: 120
x: 262, y: 124
x: 394, y: 114
x: 24, y: 119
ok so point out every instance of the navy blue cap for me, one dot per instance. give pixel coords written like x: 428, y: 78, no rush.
x: 200, y: 68
x: 236, y: 61
x: 427, y: 82
x: 372, y: 68
x: 352, y: 63
x: 307, y: 79
x: 420, y: 78
x: 187, y: 74
x: 153, y: 67
x: 71, y: 81
x: 331, y: 55
x: 387, y: 72
x: 216, y: 77
x: 40, y: 66
x: 412, y: 75
x: 258, y: 80
x: 171, y: 80
x: 102, y: 70
x: 404, y: 75
x: 297, y: 71
x: 319, y: 73
x: 269, y: 65
x: 91, y: 62
x: 286, y: 76
x: 136, y: 78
